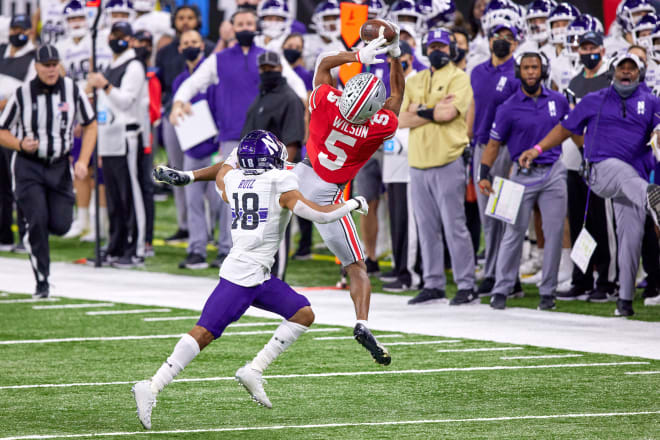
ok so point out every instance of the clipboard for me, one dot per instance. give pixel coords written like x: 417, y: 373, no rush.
x: 504, y: 203
x: 196, y: 128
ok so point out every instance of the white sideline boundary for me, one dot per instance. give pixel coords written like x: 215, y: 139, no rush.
x: 542, y: 356
x: 469, y: 350
x: 340, y: 374
x: 341, y: 338
x: 389, y: 313
x: 127, y: 312
x: 132, y: 338
x: 73, y: 306
x: 27, y: 300
x: 642, y: 372
x: 335, y: 425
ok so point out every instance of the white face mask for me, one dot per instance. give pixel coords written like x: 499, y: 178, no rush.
x: 558, y: 35
x: 77, y: 31
x: 538, y: 32
x: 273, y: 29
x: 646, y: 42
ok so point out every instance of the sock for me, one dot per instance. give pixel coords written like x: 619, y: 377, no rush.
x: 83, y: 217
x: 284, y: 336
x: 184, y: 351
x: 103, y: 220
x: 361, y: 321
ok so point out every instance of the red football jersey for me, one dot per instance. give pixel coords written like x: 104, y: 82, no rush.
x: 337, y: 148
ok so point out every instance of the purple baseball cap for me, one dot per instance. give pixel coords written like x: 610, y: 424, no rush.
x: 439, y: 36
x: 499, y: 27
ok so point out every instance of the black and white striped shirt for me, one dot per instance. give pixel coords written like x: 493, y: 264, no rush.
x: 48, y: 115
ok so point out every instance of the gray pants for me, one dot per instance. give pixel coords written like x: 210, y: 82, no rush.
x: 175, y: 160
x: 547, y: 187
x: 196, y: 194
x: 437, y: 197
x: 615, y: 179
x: 493, y: 229
x: 224, y: 210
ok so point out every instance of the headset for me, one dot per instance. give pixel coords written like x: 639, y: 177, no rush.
x: 453, y: 52
x: 618, y: 57
x: 545, y: 63
x: 193, y: 7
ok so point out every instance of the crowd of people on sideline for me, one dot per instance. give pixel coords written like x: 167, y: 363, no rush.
x: 538, y: 95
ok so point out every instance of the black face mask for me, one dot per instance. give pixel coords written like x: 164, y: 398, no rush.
x: 438, y: 59
x: 531, y: 89
x: 460, y: 54
x: 191, y: 53
x: 143, y: 53
x: 501, y: 48
x: 590, y: 60
x: 118, y: 46
x: 292, y: 55
x: 245, y: 38
x: 270, y: 80
x: 18, y: 40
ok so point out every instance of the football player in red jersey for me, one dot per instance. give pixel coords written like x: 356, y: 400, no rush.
x: 345, y: 129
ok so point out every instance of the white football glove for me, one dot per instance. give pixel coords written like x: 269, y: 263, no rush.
x: 368, y: 54
x: 363, y: 206
x: 393, y: 48
x: 171, y: 176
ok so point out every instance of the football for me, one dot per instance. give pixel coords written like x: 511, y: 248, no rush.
x: 372, y: 29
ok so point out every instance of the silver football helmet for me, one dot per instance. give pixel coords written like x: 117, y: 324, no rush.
x: 363, y: 96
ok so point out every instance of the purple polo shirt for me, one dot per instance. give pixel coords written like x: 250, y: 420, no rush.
x: 521, y: 122
x: 616, y: 128
x: 238, y: 85
x: 491, y: 87
x: 306, y: 76
x: 209, y: 146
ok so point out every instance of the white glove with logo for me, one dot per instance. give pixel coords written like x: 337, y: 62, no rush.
x: 171, y: 176
x: 363, y: 206
x: 368, y: 54
x: 393, y: 48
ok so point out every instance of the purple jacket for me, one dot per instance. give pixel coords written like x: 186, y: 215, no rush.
x: 209, y: 146
x: 238, y: 85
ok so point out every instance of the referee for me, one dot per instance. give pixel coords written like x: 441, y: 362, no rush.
x: 42, y: 111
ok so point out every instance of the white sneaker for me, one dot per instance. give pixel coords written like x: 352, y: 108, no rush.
x: 253, y: 383
x: 145, y: 400
x: 564, y: 286
x: 533, y: 279
x: 530, y: 267
x: 654, y: 301
x: 75, y: 230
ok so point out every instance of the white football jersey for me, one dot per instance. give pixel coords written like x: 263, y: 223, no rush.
x: 614, y: 44
x: 52, y: 21
x: 77, y: 58
x: 159, y: 23
x: 562, y: 71
x: 314, y: 46
x: 258, y: 223
x: 652, y: 79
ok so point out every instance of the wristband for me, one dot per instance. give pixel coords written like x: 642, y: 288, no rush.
x: 484, y: 172
x: 190, y: 175
x: 426, y: 113
x: 357, y: 56
x: 538, y: 148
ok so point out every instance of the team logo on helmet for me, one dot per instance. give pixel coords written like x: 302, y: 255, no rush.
x: 363, y: 96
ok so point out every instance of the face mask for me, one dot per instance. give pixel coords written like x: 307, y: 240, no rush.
x: 117, y: 45
x: 245, y: 38
x: 269, y: 80
x: 292, y: 55
x: 460, y: 54
x: 143, y: 53
x: 272, y: 29
x: 531, y: 89
x: 78, y: 32
x: 18, y: 40
x: 191, y: 53
x: 438, y: 59
x: 625, y: 90
x: 404, y: 65
x: 590, y: 60
x: 501, y: 48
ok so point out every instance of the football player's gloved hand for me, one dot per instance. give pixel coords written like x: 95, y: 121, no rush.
x: 393, y: 48
x: 368, y: 54
x: 171, y: 176
x: 363, y: 206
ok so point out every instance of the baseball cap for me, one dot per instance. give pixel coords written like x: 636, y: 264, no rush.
x: 21, y: 20
x: 122, y: 26
x: 628, y: 56
x: 47, y: 53
x: 595, y: 38
x: 268, y: 59
x: 144, y: 35
x: 439, y: 36
x: 499, y: 27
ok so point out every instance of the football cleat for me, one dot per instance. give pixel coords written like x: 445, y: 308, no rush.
x: 653, y: 202
x: 254, y: 384
x: 364, y: 336
x: 145, y: 401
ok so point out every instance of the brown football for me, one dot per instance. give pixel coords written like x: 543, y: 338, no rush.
x: 371, y: 29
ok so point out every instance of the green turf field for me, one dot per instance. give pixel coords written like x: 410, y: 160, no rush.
x: 423, y: 394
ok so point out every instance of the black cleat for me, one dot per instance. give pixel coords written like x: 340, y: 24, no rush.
x: 373, y: 269
x: 517, y: 291
x: 498, y: 301
x: 389, y: 277
x: 427, y: 295
x: 369, y: 341
x: 42, y: 291
x: 624, y: 308
x: 598, y: 295
x: 486, y: 287
x: 217, y: 263
x: 576, y: 293
x: 547, y: 303
x: 464, y: 297
x: 178, y: 237
x: 396, y: 286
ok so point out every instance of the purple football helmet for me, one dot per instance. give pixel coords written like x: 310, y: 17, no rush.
x: 438, y: 13
x: 260, y: 151
x: 629, y: 12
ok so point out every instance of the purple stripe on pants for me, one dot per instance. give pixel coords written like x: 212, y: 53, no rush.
x: 229, y: 301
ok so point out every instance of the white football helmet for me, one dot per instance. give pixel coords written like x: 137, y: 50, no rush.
x: 120, y: 6
x: 326, y: 19
x: 144, y: 5
x: 75, y: 9
x: 563, y: 12
x: 276, y: 8
x: 363, y: 96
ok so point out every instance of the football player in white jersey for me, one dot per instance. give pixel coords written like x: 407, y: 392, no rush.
x: 325, y: 21
x: 567, y: 63
x: 262, y: 195
x: 158, y: 23
x: 49, y: 13
x: 536, y: 26
x: 628, y: 13
x: 275, y: 20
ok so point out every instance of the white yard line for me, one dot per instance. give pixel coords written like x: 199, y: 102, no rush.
x: 131, y: 338
x: 28, y: 300
x: 73, y: 306
x: 171, y: 318
x: 336, y: 425
x: 479, y: 349
x: 340, y: 374
x: 544, y: 356
x: 643, y: 372
x: 4, y: 294
x: 127, y: 312
x: 340, y: 338
x: 444, y: 341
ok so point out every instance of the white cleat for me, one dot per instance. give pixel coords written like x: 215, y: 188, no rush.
x: 145, y: 400
x: 653, y: 301
x: 75, y: 230
x: 253, y: 383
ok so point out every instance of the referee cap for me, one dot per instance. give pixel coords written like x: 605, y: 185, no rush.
x: 21, y: 21
x: 47, y: 53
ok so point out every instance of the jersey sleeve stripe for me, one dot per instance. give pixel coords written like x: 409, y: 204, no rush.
x: 312, y: 99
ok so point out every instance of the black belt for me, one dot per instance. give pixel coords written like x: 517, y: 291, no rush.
x: 43, y: 161
x: 132, y: 127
